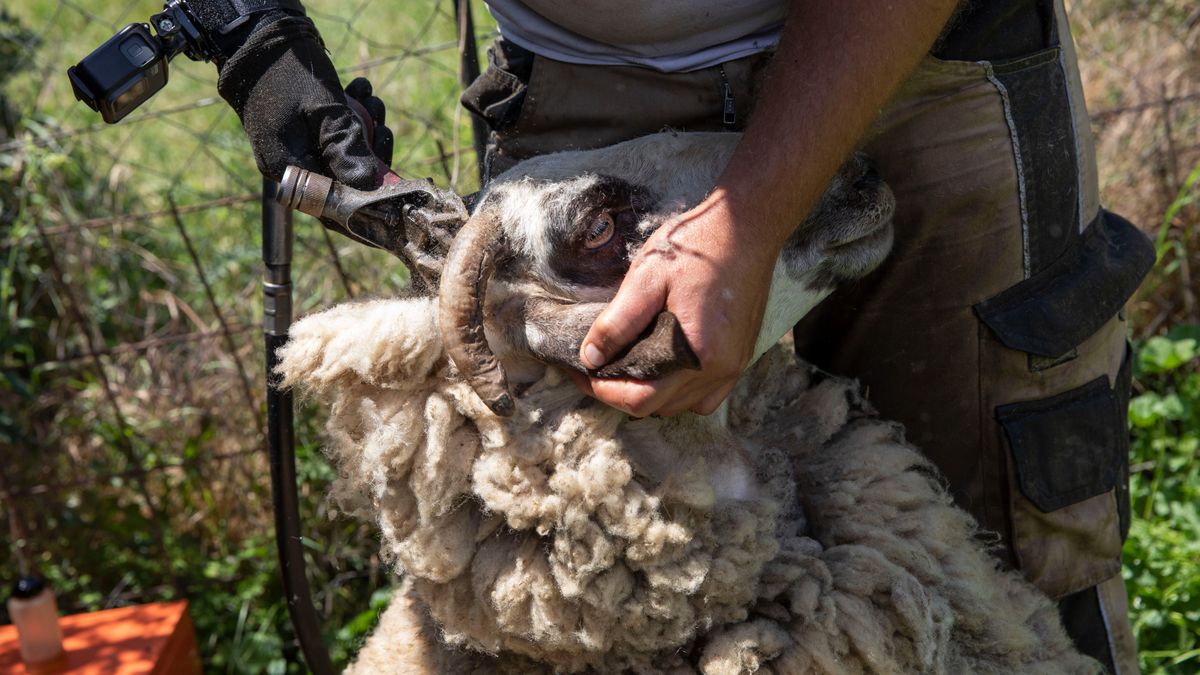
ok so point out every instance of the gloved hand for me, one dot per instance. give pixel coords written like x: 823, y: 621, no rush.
x: 287, y: 94
x: 378, y: 135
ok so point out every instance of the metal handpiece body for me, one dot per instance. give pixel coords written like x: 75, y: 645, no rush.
x: 412, y: 219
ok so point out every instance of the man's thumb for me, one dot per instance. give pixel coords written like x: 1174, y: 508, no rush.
x: 621, y: 322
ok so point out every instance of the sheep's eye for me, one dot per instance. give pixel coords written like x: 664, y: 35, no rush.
x: 600, y: 232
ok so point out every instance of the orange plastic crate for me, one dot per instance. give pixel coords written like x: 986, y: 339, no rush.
x: 154, y: 638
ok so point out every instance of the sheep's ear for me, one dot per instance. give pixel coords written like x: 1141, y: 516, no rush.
x: 554, y: 332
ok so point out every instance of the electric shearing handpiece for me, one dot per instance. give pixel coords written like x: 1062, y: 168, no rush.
x: 413, y: 219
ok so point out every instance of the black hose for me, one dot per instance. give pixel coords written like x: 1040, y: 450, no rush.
x: 281, y: 442
x: 281, y: 445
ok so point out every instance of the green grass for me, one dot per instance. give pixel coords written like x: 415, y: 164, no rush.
x: 1162, y: 554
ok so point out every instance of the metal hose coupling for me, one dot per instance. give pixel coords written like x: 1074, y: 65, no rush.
x: 304, y: 191
x: 413, y: 219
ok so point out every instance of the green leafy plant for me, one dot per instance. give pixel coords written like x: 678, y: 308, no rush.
x: 1162, y: 554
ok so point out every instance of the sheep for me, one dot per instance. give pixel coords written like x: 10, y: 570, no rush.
x: 538, y: 531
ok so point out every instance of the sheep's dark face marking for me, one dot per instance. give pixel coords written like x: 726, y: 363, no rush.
x: 564, y: 228
x: 580, y: 234
x: 596, y: 232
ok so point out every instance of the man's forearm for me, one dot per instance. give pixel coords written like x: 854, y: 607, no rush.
x: 837, y: 64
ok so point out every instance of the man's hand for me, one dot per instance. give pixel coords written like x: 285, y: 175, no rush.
x: 836, y: 65
x: 715, y: 284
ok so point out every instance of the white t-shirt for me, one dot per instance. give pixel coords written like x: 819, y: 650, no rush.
x: 666, y: 35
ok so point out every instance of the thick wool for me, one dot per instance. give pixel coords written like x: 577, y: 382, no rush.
x: 802, y: 535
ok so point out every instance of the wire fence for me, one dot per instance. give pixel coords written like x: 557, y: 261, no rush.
x: 132, y: 401
x: 133, y: 397
x: 1141, y: 74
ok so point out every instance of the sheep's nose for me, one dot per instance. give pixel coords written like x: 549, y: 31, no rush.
x: 870, y: 176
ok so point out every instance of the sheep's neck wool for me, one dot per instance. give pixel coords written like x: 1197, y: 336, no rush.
x: 569, y: 538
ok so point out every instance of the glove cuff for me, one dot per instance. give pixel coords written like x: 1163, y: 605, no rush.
x: 241, y: 71
x: 223, y: 16
x: 228, y: 23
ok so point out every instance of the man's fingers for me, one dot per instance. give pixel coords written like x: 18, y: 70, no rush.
x: 636, y: 304
x: 710, y: 403
x: 582, y: 382
x: 699, y: 396
x: 687, y: 399
x: 640, y: 398
x: 670, y: 396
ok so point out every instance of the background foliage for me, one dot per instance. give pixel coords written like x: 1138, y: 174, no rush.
x: 131, y: 459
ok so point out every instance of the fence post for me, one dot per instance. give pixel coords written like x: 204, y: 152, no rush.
x: 277, y: 317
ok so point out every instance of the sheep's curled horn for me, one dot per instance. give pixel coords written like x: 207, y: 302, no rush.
x: 469, y: 266
x: 470, y: 263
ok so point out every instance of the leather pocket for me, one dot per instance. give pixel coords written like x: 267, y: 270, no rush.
x: 1070, y: 509
x: 1068, y: 447
x: 498, y: 95
x: 1058, y: 308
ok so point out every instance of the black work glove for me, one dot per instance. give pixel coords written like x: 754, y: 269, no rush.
x: 287, y: 94
x: 378, y: 135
